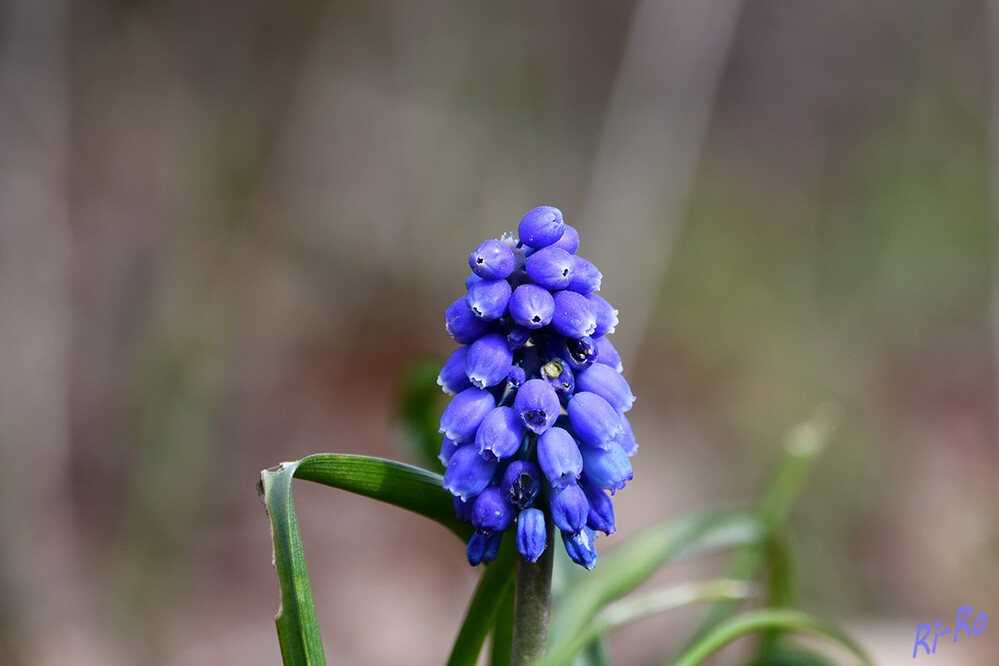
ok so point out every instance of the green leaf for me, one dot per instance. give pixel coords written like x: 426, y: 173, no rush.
x: 297, y: 627
x: 763, y: 620
x: 403, y: 485
x: 494, y: 587
x: 502, y: 643
x: 421, y: 402
x: 632, y: 563
x: 802, y: 445
x: 632, y: 609
x: 783, y: 656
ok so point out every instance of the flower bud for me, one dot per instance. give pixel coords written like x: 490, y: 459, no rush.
x: 487, y: 299
x: 500, y: 434
x: 448, y: 447
x: 552, y: 268
x: 532, y: 306
x: 607, y: 468
x: 518, y: 337
x: 520, y: 483
x: 605, y: 313
x: 559, y: 457
x: 462, y: 509
x: 541, y: 227
x: 491, y: 512
x: 489, y: 360
x: 515, y: 377
x: 608, y: 383
x: 532, y: 534
x: 467, y: 473
x: 470, y: 280
x: 558, y: 375
x: 607, y: 355
x: 601, y: 515
x: 493, y: 260
x: 452, y: 378
x: 537, y: 405
x: 585, y: 277
x: 628, y: 442
x: 580, y: 548
x: 569, y: 508
x: 594, y: 420
x: 462, y: 416
x: 483, y: 548
x: 569, y: 240
x: 573, y: 315
x: 462, y: 325
x: 579, y: 354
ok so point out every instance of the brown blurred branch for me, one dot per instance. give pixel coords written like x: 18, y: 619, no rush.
x: 658, y: 118
x: 38, y: 552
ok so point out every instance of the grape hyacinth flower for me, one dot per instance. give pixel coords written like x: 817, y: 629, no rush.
x: 536, y: 435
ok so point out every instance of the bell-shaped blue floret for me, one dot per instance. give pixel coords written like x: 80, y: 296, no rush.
x: 462, y: 325
x: 483, y: 548
x: 491, y: 512
x: 500, y: 434
x: 464, y: 414
x: 580, y: 548
x: 606, y: 314
x: 515, y: 377
x: 537, y: 405
x: 628, y: 442
x: 607, y: 468
x: 570, y: 508
x: 569, y: 240
x: 520, y: 484
x: 487, y: 299
x: 596, y: 423
x: 518, y: 337
x: 452, y: 378
x: 532, y: 534
x: 573, y: 315
x: 462, y: 509
x: 541, y: 227
x: 551, y: 268
x: 608, y: 383
x: 578, y: 353
x: 586, y: 278
x: 489, y: 360
x: 493, y: 260
x: 601, y: 516
x: 558, y: 375
x: 607, y: 354
x: 448, y: 447
x: 468, y: 474
x: 559, y: 457
x: 532, y: 306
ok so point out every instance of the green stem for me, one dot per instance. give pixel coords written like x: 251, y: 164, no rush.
x: 532, y: 605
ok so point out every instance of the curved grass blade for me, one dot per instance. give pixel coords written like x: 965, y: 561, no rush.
x: 494, y: 587
x: 792, y: 657
x: 502, y: 642
x: 763, y: 620
x: 297, y: 627
x: 403, y: 485
x: 802, y: 445
x: 628, y: 610
x: 631, y: 564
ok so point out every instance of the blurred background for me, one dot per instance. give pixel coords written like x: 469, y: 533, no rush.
x: 228, y: 228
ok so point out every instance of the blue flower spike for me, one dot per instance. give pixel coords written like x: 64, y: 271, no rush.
x: 535, y: 438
